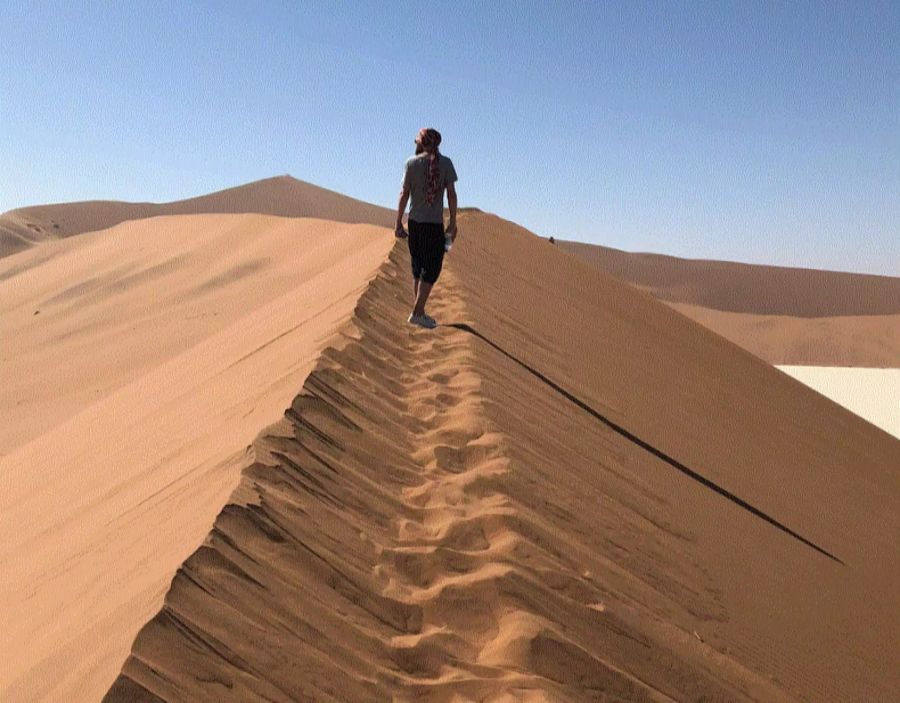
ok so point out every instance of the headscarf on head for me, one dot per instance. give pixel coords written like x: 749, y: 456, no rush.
x: 429, y: 139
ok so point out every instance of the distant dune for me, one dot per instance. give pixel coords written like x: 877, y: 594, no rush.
x: 281, y: 195
x: 783, y: 315
x: 840, y: 340
x: 236, y: 473
x: 737, y: 287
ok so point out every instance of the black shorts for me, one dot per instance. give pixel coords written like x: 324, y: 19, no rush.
x: 426, y: 249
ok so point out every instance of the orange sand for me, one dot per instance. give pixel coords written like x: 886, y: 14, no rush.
x: 567, y: 492
x: 161, y: 348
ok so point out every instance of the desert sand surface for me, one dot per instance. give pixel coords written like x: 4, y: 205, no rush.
x: 787, y: 316
x: 233, y: 472
x: 566, y: 492
x: 873, y: 394
x: 159, y: 349
x: 284, y: 195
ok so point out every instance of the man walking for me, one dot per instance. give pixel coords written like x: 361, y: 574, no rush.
x: 428, y: 174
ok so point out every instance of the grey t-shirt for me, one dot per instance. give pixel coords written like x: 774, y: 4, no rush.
x: 414, y: 178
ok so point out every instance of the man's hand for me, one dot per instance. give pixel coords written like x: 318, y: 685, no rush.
x: 452, y: 231
x: 399, y: 232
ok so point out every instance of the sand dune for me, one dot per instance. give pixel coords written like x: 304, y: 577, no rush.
x: 160, y: 349
x: 282, y: 195
x: 567, y: 492
x: 841, y: 340
x: 738, y: 287
x: 783, y: 315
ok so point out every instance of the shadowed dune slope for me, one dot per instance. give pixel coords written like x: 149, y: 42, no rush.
x: 567, y: 492
x: 783, y: 315
x: 282, y: 195
x: 161, y: 347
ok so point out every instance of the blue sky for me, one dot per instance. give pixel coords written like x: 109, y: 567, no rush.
x: 748, y: 131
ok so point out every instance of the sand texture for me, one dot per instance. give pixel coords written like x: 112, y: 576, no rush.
x: 281, y: 195
x: 161, y: 347
x: 783, y: 315
x: 567, y: 492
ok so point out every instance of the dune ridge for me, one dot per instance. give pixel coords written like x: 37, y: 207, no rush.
x: 405, y: 584
x: 430, y: 521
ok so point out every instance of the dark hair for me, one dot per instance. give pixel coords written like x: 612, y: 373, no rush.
x: 428, y: 136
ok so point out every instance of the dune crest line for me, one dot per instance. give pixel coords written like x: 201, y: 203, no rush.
x: 428, y: 523
x: 376, y: 549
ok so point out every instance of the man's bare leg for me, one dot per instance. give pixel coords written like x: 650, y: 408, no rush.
x: 415, y: 290
x: 422, y: 291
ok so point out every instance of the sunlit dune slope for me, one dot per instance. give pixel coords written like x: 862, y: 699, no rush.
x: 115, y: 304
x: 160, y: 348
x: 783, y: 315
x: 281, y: 195
x: 840, y: 340
x: 566, y: 492
x: 738, y: 287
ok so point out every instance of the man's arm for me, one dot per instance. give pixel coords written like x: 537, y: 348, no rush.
x: 451, y: 203
x: 401, y: 208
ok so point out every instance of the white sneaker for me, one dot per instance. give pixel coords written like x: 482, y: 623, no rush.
x: 422, y: 321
